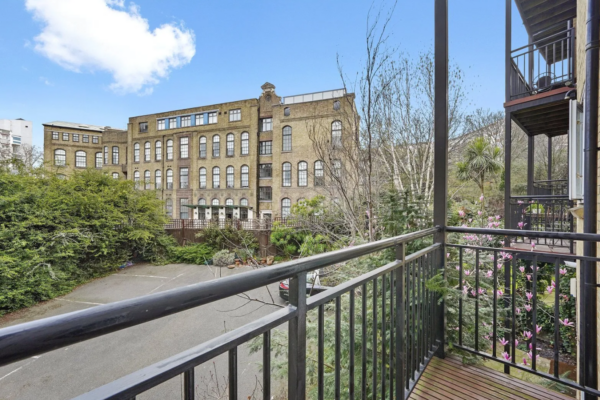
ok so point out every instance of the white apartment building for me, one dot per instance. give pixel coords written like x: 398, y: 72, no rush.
x: 15, y: 135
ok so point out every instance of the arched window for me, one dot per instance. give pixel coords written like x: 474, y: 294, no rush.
x: 215, y: 202
x: 302, y: 173
x: 170, y: 149
x: 115, y: 175
x: 169, y: 207
x: 229, y: 177
x: 336, y: 134
x: 105, y: 154
x: 203, y: 147
x: 115, y: 155
x: 158, y: 179
x: 136, y: 152
x: 336, y: 105
x: 147, y: 151
x: 245, y: 143
x: 216, y: 146
x: 202, y: 178
x: 99, y: 159
x: 216, y: 172
x: 244, y: 202
x: 169, y: 179
x: 287, y: 174
x: 80, y: 159
x: 147, y: 180
x: 245, y: 176
x: 230, y: 145
x: 286, y: 205
x: 286, y: 112
x: 136, y: 179
x: 60, y: 157
x: 287, y: 138
x: 229, y: 202
x: 201, y: 201
x: 158, y: 150
x: 319, y: 173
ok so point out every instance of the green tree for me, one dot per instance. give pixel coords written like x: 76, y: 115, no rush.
x: 481, y: 160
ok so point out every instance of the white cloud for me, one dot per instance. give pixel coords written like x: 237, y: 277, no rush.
x: 104, y: 35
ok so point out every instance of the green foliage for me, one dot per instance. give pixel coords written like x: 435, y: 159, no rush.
x: 197, y: 253
x: 223, y: 258
x: 481, y: 158
x: 228, y: 238
x: 58, y: 233
x: 287, y: 240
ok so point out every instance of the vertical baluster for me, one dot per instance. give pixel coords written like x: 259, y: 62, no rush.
x: 495, y: 305
x: 383, y: 335
x: 374, y: 349
x: 460, y: 299
x: 534, y: 315
x: 420, y: 292
x: 233, y: 392
x: 477, y: 300
x: 392, y: 349
x: 408, y: 313
x: 320, y: 351
x: 506, y: 302
x: 513, y: 314
x: 188, y: 385
x: 556, y: 315
x: 338, y: 347
x: 267, y: 365
x: 363, y: 339
x: 426, y: 327
x: 351, y: 363
x: 400, y: 352
x: 413, y: 328
x: 297, y: 339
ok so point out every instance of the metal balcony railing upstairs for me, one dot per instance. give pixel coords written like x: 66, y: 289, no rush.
x: 543, y: 65
x: 400, y: 322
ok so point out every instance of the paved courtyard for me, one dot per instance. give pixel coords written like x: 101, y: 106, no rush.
x: 68, y: 372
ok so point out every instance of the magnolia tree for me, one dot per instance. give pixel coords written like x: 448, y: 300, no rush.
x: 481, y: 308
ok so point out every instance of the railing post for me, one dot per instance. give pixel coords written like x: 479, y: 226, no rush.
x: 297, y: 339
x: 400, y: 355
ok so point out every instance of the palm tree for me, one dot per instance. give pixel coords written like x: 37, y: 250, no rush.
x: 481, y: 158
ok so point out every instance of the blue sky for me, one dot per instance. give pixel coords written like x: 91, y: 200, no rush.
x: 225, y: 51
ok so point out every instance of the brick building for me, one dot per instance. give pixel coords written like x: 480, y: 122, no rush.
x: 249, y: 158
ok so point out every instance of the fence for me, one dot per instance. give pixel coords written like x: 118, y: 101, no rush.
x: 406, y: 327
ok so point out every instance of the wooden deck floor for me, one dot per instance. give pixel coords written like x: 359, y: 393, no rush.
x: 450, y: 379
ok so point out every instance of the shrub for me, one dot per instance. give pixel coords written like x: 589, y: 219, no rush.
x: 287, y: 240
x: 223, y: 258
x: 228, y: 238
x: 198, y: 253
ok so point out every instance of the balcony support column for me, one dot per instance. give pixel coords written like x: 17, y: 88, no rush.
x: 550, y: 161
x: 588, y: 359
x: 530, y: 164
x: 441, y: 143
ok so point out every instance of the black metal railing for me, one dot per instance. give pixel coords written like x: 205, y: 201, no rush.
x: 542, y: 214
x: 403, y: 316
x: 545, y: 64
x: 498, y: 307
x: 554, y: 187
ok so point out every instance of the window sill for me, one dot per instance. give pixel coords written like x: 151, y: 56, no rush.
x: 286, y: 151
x: 265, y: 201
x: 266, y: 155
x: 266, y: 178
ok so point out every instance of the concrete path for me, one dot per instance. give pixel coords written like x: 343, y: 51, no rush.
x: 68, y: 372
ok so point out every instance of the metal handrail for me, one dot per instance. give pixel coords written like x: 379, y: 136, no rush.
x: 36, y: 337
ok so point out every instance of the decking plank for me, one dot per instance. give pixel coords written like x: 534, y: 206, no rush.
x: 449, y: 379
x: 531, y: 388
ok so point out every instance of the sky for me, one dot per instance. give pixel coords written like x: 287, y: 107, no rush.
x: 102, y: 61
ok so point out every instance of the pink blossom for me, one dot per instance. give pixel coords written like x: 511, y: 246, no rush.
x: 502, y: 241
x: 498, y: 217
x: 499, y: 292
x: 482, y: 291
x: 516, y: 342
x: 481, y: 197
x: 479, y: 213
x: 566, y: 322
x: 532, y: 245
x: 490, y: 219
x: 518, y: 310
x: 528, y: 335
x: 562, y: 271
x: 524, y: 361
x: 538, y: 329
x: 503, y: 342
x: 489, y: 273
x: 522, y: 269
x: 520, y: 202
x: 529, y: 295
x: 461, y: 213
x: 499, y: 266
x: 458, y: 267
x: 467, y: 272
x: 447, y: 255
x: 473, y: 293
x: 521, y: 224
x: 506, y: 356
x: 530, y: 355
x: 553, y: 284
x: 465, y: 290
x: 528, y: 307
x: 470, y: 219
x: 549, y: 289
x: 529, y: 277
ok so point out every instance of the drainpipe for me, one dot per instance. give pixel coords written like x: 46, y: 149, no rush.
x: 588, y: 363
